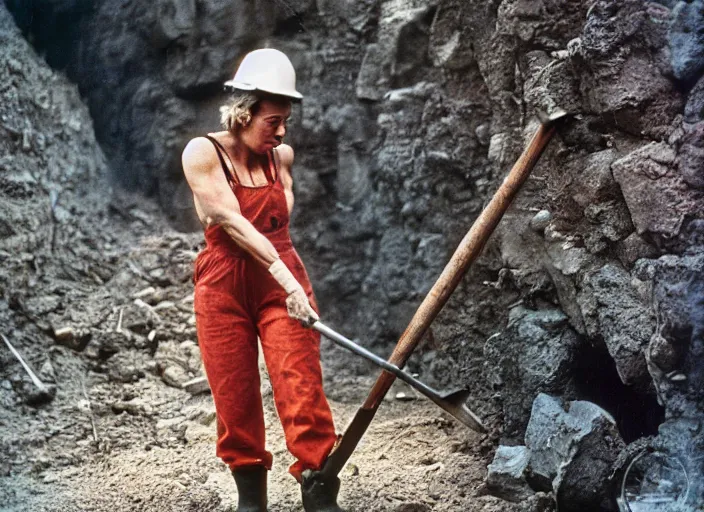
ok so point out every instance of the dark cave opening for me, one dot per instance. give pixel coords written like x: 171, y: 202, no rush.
x: 290, y: 26
x: 637, y: 414
x: 54, y: 31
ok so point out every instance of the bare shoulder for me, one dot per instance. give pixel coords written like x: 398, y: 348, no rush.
x: 198, y: 154
x: 285, y: 153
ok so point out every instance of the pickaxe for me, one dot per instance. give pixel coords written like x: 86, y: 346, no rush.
x: 468, y: 251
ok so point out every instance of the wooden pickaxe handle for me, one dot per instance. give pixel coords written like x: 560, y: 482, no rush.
x: 469, y: 249
x: 466, y: 253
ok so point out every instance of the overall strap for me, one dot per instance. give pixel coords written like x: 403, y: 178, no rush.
x: 272, y: 167
x: 231, y: 180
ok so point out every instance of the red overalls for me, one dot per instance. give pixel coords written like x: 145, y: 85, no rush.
x: 236, y: 300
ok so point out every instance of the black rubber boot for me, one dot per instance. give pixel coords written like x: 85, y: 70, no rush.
x: 319, y: 493
x: 251, y: 488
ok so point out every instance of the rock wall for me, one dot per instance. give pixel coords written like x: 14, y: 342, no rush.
x: 414, y: 111
x: 54, y: 176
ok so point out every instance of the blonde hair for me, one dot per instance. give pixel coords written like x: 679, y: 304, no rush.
x: 239, y: 110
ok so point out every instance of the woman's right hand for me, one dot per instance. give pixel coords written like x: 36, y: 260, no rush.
x: 299, y: 308
x: 297, y: 303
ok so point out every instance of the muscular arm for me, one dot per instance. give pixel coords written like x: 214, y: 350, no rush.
x: 217, y: 204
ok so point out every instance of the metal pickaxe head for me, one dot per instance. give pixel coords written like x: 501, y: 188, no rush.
x: 452, y: 402
x: 549, y: 117
x: 455, y: 403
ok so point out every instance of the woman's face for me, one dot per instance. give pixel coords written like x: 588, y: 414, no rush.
x: 267, y: 128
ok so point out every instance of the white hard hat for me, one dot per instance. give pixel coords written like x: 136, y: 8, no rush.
x: 266, y: 70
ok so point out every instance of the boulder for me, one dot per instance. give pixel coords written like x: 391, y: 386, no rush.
x: 572, y: 449
x: 506, y: 476
x: 623, y: 72
x: 552, y: 87
x: 450, y: 39
x: 687, y: 40
x: 613, y: 310
x: 656, y: 195
x: 633, y: 248
x: 533, y: 354
x: 675, y: 350
x: 401, y: 49
x: 127, y: 366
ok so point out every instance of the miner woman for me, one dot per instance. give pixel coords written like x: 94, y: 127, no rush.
x: 250, y: 282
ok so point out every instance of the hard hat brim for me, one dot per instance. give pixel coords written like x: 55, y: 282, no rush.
x: 248, y: 87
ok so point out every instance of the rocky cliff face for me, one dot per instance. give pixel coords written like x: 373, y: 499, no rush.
x: 414, y: 110
x: 54, y: 181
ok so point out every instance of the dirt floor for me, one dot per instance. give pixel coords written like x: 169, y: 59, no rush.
x: 412, y: 459
x: 120, y: 434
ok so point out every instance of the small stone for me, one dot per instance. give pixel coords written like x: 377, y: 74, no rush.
x: 158, y: 273
x: 540, y: 221
x: 72, y: 338
x: 205, y: 415
x: 403, y: 397
x: 134, y: 407
x: 196, y: 432
x: 633, y: 248
x: 196, y: 386
x: 26, y: 140
x: 144, y: 292
x: 50, y: 478
x: 64, y: 334
x: 152, y: 367
x: 75, y: 124
x: 663, y: 353
x: 174, y: 376
x: 166, y: 304
x: 552, y: 235
x: 188, y: 345
x: 370, y: 81
x: 351, y: 470
x: 14, y: 65
x: 46, y: 372
x: 498, y: 148
x: 483, y: 134
x: 685, y: 40
x: 170, y: 423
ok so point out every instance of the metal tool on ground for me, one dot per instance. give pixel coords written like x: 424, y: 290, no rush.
x: 452, y: 402
x: 44, y: 391
x: 469, y: 249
